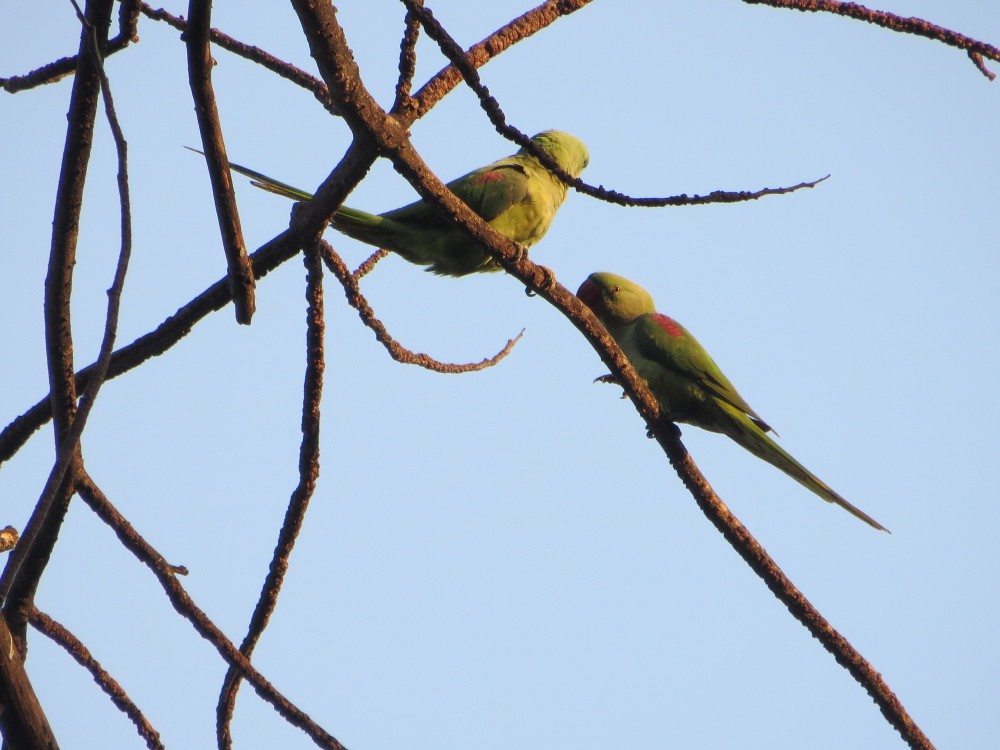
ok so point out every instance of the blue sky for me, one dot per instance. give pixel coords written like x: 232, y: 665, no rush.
x: 503, y: 557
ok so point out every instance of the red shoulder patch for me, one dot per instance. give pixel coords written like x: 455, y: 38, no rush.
x: 493, y: 175
x: 669, y: 325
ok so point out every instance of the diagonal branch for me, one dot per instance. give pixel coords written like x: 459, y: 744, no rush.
x: 500, y: 40
x: 976, y: 50
x: 491, y: 106
x: 254, y: 54
x: 368, y: 264
x: 269, y: 256
x: 241, y: 278
x: 128, y: 16
x: 81, y: 654
x: 185, y: 606
x: 329, y: 47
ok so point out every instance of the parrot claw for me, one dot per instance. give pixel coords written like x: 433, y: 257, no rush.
x: 609, y: 378
x: 548, y: 282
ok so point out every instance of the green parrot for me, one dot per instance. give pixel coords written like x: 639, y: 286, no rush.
x: 517, y: 196
x: 687, y: 383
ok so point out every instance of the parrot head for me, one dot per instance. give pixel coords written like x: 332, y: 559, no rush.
x: 568, y: 151
x: 615, y: 300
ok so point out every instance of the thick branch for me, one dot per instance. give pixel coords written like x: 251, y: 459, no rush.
x: 22, y: 720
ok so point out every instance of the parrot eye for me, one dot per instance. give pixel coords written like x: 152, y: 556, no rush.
x: 615, y: 289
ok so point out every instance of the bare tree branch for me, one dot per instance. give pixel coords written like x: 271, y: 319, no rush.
x: 254, y: 54
x: 128, y: 16
x: 299, y: 501
x: 200, y: 77
x: 396, y: 350
x: 185, y: 606
x: 407, y: 63
x: 329, y: 47
x: 23, y: 722
x: 68, y: 447
x: 479, y: 54
x: 81, y: 654
x: 491, y: 106
x: 976, y: 49
x: 368, y: 264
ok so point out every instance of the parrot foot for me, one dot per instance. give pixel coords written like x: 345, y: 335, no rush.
x: 609, y: 378
x: 547, y: 283
x: 548, y: 280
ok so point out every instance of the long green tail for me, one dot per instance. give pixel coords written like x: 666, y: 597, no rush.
x: 264, y: 182
x: 349, y: 220
x: 755, y: 440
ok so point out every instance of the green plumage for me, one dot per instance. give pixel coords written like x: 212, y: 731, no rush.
x: 517, y: 196
x: 687, y: 383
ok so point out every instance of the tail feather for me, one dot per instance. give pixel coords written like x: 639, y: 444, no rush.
x: 751, y: 437
x: 366, y: 227
x: 264, y: 182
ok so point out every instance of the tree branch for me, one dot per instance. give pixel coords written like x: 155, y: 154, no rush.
x: 299, y: 501
x: 241, y: 279
x: 977, y: 50
x: 111, y: 687
x: 329, y: 47
x: 185, y: 606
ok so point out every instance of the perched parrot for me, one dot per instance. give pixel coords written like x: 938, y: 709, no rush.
x: 517, y: 196
x: 687, y: 383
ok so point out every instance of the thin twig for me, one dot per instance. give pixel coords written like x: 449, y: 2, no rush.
x: 461, y: 61
x: 254, y: 54
x: 977, y: 60
x: 81, y: 654
x: 369, y: 263
x: 299, y: 501
x: 407, y: 63
x: 481, y: 53
x: 200, y: 78
x: 396, y: 350
x: 185, y: 606
x: 891, y: 21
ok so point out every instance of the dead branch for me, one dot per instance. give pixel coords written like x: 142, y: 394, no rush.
x: 111, y: 687
x: 976, y: 49
x: 200, y: 63
x: 299, y: 501
x: 396, y: 350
